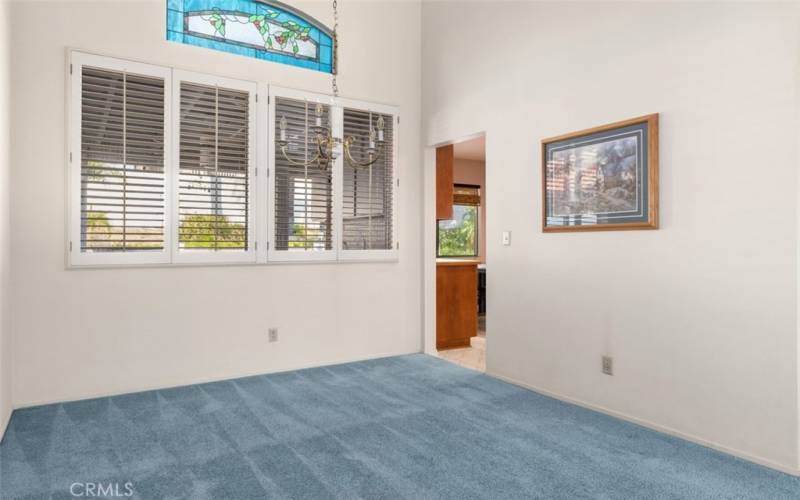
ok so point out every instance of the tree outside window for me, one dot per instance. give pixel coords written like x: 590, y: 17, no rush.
x: 458, y: 237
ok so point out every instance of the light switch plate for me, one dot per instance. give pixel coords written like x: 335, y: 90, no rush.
x: 506, y: 238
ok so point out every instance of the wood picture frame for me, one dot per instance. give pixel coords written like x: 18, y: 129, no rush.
x: 602, y: 179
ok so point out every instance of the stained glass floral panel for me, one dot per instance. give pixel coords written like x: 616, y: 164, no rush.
x: 260, y: 29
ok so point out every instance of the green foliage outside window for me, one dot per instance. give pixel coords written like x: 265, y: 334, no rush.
x: 105, y: 235
x: 458, y: 237
x: 196, y: 231
x: 304, y: 237
x: 211, y: 231
x: 97, y: 220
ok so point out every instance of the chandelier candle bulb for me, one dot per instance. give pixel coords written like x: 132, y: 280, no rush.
x: 381, y: 124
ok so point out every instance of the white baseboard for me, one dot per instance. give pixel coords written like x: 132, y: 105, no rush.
x: 205, y: 380
x: 4, y: 420
x: 653, y: 426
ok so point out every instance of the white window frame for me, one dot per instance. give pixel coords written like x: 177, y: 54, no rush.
x: 274, y: 255
x: 263, y: 197
x: 77, y: 258
x: 261, y: 170
x: 385, y: 254
x: 203, y: 256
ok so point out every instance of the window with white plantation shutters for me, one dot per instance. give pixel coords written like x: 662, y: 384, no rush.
x: 367, y: 190
x: 214, y: 168
x: 122, y: 198
x: 168, y: 166
x: 303, y: 194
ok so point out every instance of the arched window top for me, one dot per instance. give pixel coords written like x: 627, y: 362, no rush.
x: 261, y: 29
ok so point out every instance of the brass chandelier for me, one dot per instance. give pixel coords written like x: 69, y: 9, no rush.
x: 327, y: 145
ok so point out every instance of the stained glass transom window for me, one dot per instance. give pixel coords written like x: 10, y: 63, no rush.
x: 264, y: 30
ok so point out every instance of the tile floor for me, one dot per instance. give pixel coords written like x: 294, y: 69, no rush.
x: 473, y: 357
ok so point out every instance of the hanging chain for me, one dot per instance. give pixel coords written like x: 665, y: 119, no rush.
x: 335, y: 49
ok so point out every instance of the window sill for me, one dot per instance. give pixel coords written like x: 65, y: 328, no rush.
x: 82, y: 267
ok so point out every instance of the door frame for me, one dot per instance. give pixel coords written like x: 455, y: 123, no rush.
x: 429, y: 228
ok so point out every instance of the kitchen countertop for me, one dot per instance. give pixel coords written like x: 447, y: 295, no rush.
x: 457, y: 262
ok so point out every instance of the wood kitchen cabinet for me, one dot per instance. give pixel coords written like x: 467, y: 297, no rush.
x: 444, y: 182
x: 456, y: 303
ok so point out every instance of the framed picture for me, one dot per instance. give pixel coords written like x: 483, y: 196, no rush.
x: 602, y: 179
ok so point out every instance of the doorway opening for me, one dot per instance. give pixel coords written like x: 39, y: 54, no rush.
x: 461, y: 207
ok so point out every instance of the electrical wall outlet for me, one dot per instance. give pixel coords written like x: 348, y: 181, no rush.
x: 273, y: 334
x: 608, y: 365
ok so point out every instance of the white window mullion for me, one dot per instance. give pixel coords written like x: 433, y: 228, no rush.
x: 396, y: 186
x: 338, y: 124
x: 269, y: 141
x: 175, y: 133
x: 262, y: 177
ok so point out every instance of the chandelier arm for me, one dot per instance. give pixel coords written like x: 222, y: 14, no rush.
x: 324, y: 147
x: 316, y: 159
x: 353, y: 162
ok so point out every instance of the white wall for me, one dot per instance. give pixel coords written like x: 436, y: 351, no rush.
x: 699, y: 315
x: 5, y: 219
x: 81, y: 333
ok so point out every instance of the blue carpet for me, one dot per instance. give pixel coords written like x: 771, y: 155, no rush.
x: 402, y: 427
